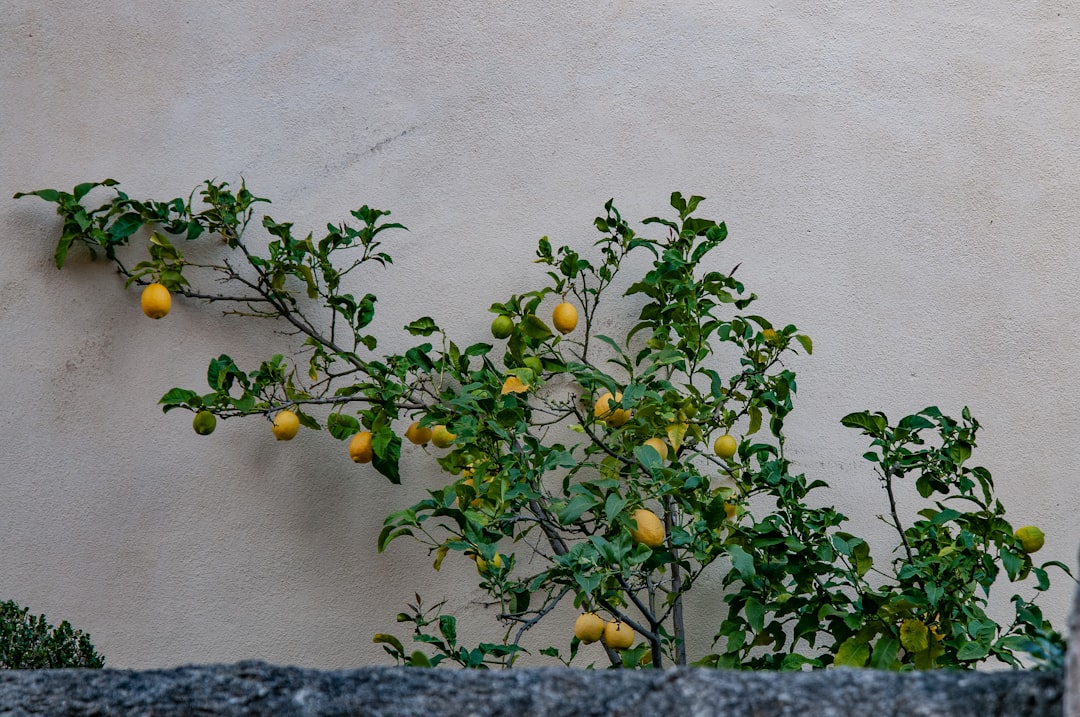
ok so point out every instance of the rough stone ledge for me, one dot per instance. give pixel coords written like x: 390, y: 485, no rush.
x: 256, y: 688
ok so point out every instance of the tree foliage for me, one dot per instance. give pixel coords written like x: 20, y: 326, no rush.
x: 547, y: 445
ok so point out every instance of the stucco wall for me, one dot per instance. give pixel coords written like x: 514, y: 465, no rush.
x: 899, y: 181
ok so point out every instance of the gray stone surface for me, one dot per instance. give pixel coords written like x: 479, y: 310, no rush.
x: 254, y: 688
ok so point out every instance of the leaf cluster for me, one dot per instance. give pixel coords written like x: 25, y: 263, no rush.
x: 29, y: 642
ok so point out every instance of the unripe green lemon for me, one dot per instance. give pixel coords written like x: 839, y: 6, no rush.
x: 502, y: 326
x: 204, y: 423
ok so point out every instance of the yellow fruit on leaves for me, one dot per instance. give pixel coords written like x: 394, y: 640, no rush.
x: 417, y: 434
x: 502, y: 327
x: 475, y: 502
x: 657, y: 445
x: 589, y: 627
x: 564, y: 317
x: 360, y: 448
x: 730, y: 510
x: 618, y: 635
x: 442, y: 437
x: 770, y: 335
x: 605, y: 412
x: 726, y: 446
x: 649, y: 531
x: 513, y: 384
x: 1031, y: 538
x: 156, y: 301
x: 482, y: 565
x: 286, y: 424
x: 204, y: 423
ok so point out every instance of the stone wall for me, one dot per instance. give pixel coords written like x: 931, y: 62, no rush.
x: 255, y: 688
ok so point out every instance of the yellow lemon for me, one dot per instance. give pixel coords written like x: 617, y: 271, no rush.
x: 502, y: 327
x: 730, y: 510
x: 417, y: 434
x: 155, y: 301
x: 618, y: 635
x: 564, y: 317
x: 649, y: 531
x: 360, y: 448
x: 286, y: 424
x: 770, y: 335
x: 589, y: 627
x: 603, y: 410
x: 204, y: 423
x: 513, y: 384
x: 726, y: 446
x: 1031, y: 538
x: 442, y: 437
x: 657, y: 445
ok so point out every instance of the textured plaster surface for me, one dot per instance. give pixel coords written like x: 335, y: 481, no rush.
x: 898, y: 179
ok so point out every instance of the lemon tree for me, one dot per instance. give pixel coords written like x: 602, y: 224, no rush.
x: 603, y: 474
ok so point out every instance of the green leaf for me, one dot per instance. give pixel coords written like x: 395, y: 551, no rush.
x: 648, y: 456
x: 577, y: 506
x: 852, y: 653
x: 388, y: 533
x: 365, y: 312
x: 387, y: 448
x: 81, y: 190
x: 914, y: 422
x: 424, y: 326
x: 49, y: 195
x: 176, y: 398
x: 535, y: 328
x: 342, y: 426
x: 448, y: 628
x: 755, y: 421
x: 419, y: 659
x: 972, y: 651
x: 807, y: 344
x: 884, y: 655
x: 125, y: 226
x: 794, y: 662
x: 741, y: 561
x: 62, y: 248
x: 384, y: 639
x: 613, y: 506
x: 873, y: 424
x: 914, y: 636
x: 755, y: 614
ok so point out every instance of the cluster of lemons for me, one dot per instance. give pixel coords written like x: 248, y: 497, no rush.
x: 590, y: 628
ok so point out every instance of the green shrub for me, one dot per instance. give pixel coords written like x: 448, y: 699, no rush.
x: 28, y: 642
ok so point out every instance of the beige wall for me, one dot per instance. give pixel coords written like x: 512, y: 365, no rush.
x: 899, y: 180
